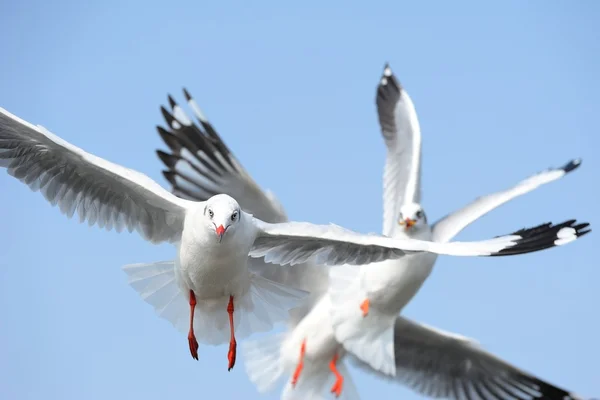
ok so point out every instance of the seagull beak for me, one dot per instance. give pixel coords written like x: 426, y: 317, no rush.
x: 220, y: 232
x: 409, y: 223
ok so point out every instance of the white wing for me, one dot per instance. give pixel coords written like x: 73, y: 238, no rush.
x: 201, y: 165
x: 400, y: 128
x: 101, y: 192
x: 298, y: 242
x: 449, y: 226
x: 439, y: 364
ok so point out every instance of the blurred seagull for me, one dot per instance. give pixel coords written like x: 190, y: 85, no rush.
x: 199, y: 165
x: 367, y: 301
x: 213, y: 237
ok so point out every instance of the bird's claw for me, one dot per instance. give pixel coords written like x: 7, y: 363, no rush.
x: 231, y: 354
x: 337, y: 387
x: 193, y: 346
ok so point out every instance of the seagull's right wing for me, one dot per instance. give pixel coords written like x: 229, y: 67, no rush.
x: 200, y: 165
x: 298, y: 242
x: 449, y: 226
x: 99, y: 191
x: 402, y: 134
x: 444, y: 365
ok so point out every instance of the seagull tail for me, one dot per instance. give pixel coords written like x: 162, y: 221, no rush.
x: 156, y: 284
x: 263, y: 361
x: 264, y: 304
x: 369, y: 337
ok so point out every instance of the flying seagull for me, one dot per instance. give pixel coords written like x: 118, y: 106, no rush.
x: 367, y: 301
x: 213, y: 237
x: 199, y: 165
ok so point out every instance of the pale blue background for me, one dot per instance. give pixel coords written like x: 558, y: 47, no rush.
x: 501, y: 91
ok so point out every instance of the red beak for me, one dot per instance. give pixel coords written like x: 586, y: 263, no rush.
x: 220, y: 231
x: 410, y: 222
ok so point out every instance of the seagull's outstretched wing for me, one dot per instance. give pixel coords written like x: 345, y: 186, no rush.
x: 200, y: 165
x: 101, y: 192
x: 402, y: 134
x: 444, y: 365
x: 298, y: 242
x: 449, y: 226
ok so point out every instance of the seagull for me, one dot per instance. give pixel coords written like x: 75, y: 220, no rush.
x: 214, y: 238
x: 198, y: 165
x: 367, y: 301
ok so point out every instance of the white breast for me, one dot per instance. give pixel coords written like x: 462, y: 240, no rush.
x: 211, y: 268
x: 392, y: 284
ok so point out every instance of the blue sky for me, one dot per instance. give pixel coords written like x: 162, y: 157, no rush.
x: 502, y: 91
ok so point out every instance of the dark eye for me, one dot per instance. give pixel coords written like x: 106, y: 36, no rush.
x: 419, y: 214
x: 234, y: 215
x: 211, y: 213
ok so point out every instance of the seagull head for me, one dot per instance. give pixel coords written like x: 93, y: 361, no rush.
x: 223, y: 213
x: 412, y: 217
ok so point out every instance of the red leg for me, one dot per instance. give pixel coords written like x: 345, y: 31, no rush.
x: 232, y: 344
x: 364, y: 306
x: 191, y: 337
x: 339, y: 379
x: 300, y: 365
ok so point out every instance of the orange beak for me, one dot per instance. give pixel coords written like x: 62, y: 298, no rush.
x: 220, y: 231
x: 409, y: 223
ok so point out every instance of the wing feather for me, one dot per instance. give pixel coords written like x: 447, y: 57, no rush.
x: 445, y: 365
x: 103, y: 193
x: 449, y: 226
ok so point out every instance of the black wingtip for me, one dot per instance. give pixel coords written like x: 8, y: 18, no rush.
x: 167, y: 116
x: 169, y: 139
x: 572, y: 165
x: 545, y: 236
x: 172, y: 102
x: 168, y: 159
x: 186, y: 94
x: 170, y: 177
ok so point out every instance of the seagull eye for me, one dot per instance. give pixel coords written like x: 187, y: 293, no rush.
x: 419, y: 214
x: 211, y: 213
x: 234, y: 215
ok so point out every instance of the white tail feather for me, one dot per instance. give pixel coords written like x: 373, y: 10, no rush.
x: 265, y: 303
x: 369, y: 338
x: 262, y: 360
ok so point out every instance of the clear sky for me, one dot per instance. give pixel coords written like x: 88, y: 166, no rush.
x: 502, y: 91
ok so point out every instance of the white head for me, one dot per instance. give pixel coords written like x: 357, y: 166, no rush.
x: 222, y: 213
x: 412, y: 217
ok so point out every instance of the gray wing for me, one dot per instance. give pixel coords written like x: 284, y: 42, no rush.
x: 200, y: 165
x: 101, y: 192
x: 443, y: 365
x: 299, y: 242
x: 402, y: 134
x: 449, y: 226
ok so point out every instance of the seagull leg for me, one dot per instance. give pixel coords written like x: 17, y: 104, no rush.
x: 339, y: 379
x: 191, y: 337
x: 364, y: 306
x: 232, y: 343
x: 300, y: 365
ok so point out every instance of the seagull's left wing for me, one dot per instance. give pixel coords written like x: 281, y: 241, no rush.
x: 99, y: 191
x: 298, y: 242
x: 449, y: 226
x: 445, y: 365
